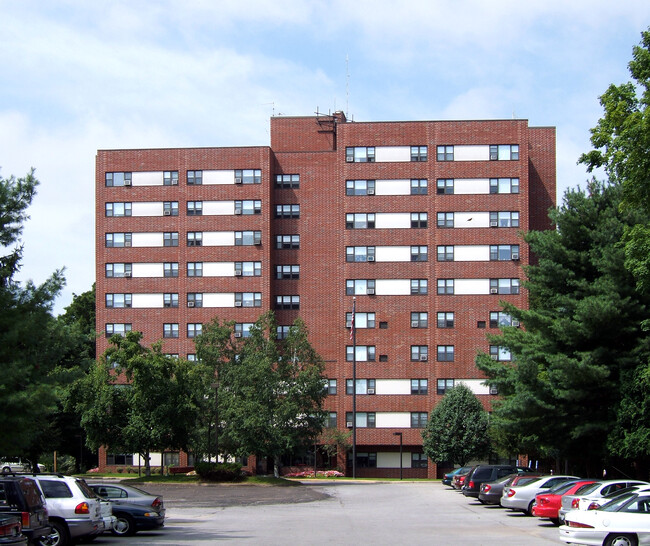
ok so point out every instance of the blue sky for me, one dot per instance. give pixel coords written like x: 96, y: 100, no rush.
x: 78, y: 76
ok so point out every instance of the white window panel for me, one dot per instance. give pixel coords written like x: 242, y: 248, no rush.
x: 393, y: 287
x: 392, y: 153
x: 472, y: 153
x: 218, y: 269
x: 472, y: 253
x: 393, y: 187
x: 477, y: 386
x: 393, y: 220
x: 147, y: 270
x: 393, y: 419
x: 387, y: 459
x: 147, y: 209
x: 147, y: 239
x: 219, y: 300
x: 471, y: 219
x: 218, y: 177
x: 471, y: 286
x: 218, y: 208
x: 218, y: 238
x: 393, y: 386
x: 393, y: 253
x: 471, y: 186
x: 147, y: 179
x: 145, y: 301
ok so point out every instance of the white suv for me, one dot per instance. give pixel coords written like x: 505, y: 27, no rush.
x: 73, y: 508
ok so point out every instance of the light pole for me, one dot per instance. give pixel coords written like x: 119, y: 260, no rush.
x: 215, y: 386
x: 400, y: 453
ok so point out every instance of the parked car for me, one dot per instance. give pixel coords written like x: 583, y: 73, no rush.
x: 459, y: 479
x: 581, y: 499
x: 11, y: 531
x: 547, y: 505
x: 73, y: 508
x: 128, y: 494
x: 131, y: 518
x: 17, y: 464
x: 522, y: 497
x: 624, y: 521
x: 485, y: 473
x: 491, y: 491
x: 21, y: 497
x: 449, y: 476
x: 596, y: 504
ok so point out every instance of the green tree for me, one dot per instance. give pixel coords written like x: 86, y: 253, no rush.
x: 457, y: 430
x: 139, y: 400
x: 270, y: 392
x: 571, y: 364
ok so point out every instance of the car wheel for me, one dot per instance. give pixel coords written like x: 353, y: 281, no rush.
x: 124, y: 526
x: 6, y: 470
x: 57, y: 537
x: 555, y: 521
x: 529, y: 511
x: 620, y: 539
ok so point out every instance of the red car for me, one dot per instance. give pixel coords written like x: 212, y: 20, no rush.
x: 547, y: 505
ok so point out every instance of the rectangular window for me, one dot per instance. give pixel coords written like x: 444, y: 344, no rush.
x: 248, y: 299
x: 360, y: 154
x: 445, y: 286
x: 504, y: 286
x: 445, y: 153
x: 331, y: 420
x: 364, y: 460
x: 360, y: 254
x: 445, y: 186
x: 170, y: 238
x: 445, y: 253
x: 445, y: 319
x: 194, y: 238
x: 419, y: 186
x: 419, y: 319
x: 502, y: 354
x: 364, y: 353
x: 170, y: 300
x: 504, y: 152
x: 118, y: 240
x: 113, y: 328
x: 243, y: 329
x: 287, y: 302
x: 119, y: 270
x: 194, y: 329
x: 361, y: 320
x: 170, y: 330
x: 170, y: 208
x: 419, y: 220
x: 248, y: 207
x: 444, y: 385
x: 360, y: 221
x: 283, y: 272
x: 419, y: 419
x: 195, y: 208
x: 287, y: 211
x: 282, y: 332
x: 419, y: 386
x: 364, y: 386
x: 287, y: 241
x: 364, y: 419
x: 330, y: 387
x: 120, y: 459
x: 445, y: 219
x: 191, y: 357
x: 118, y: 179
x: 419, y: 153
x: 195, y: 269
x: 504, y: 185
x: 419, y: 253
x: 248, y: 269
x: 419, y: 286
x: 359, y: 187
x: 360, y: 287
x: 504, y: 219
x: 118, y: 300
x: 287, y: 181
x: 419, y: 353
x: 194, y: 178
x: 118, y: 209
x: 419, y: 460
x: 170, y: 178
x: 498, y: 319
x: 195, y: 299
x: 170, y: 269
x: 504, y: 252
x: 445, y: 353
x: 248, y: 238
x: 248, y: 176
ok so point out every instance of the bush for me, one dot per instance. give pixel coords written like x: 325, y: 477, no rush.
x: 219, y: 472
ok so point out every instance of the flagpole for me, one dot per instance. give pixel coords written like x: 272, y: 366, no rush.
x: 354, y: 389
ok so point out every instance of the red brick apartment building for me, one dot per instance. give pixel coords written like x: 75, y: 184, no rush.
x: 421, y: 221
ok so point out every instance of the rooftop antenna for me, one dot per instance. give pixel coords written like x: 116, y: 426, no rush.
x: 347, y: 86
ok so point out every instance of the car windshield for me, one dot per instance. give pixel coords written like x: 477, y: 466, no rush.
x: 615, y: 504
x: 32, y: 493
x: 590, y: 488
x: 87, y: 491
x: 529, y: 482
x: 561, y: 489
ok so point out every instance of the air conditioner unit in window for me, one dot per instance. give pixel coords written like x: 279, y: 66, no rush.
x: 424, y: 358
x: 174, y: 181
x: 415, y: 324
x: 515, y: 257
x: 349, y: 159
x: 494, y: 223
x: 238, y: 273
x: 127, y: 243
x: 190, y: 304
x: 371, y: 191
x: 127, y: 274
x: 494, y: 357
x: 238, y: 180
x: 370, y: 291
x: 127, y: 304
x: 348, y: 424
x: 348, y: 324
x: 371, y: 258
x: 515, y: 323
x: 127, y: 182
x: 257, y: 243
x: 237, y: 334
x: 494, y: 157
x: 494, y: 290
x: 238, y: 304
x: 167, y: 213
x: 237, y: 211
x: 493, y: 389
x: 371, y: 391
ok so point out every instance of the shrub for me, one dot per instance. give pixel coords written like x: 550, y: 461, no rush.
x: 219, y: 472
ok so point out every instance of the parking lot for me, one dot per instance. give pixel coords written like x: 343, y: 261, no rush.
x: 335, y: 513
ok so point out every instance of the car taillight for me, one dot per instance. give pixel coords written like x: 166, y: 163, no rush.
x: 471, y: 484
x: 575, y: 503
x: 24, y: 519
x: 593, y: 506
x: 82, y: 508
x: 10, y: 529
x: 580, y: 525
x: 511, y: 492
x: 156, y: 503
x: 486, y: 488
x: 541, y: 501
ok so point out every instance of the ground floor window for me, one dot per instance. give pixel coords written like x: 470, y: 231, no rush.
x: 119, y: 459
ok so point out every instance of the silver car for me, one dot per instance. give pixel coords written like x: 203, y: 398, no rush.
x: 522, y: 498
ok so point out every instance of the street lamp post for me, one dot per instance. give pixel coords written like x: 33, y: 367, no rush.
x: 400, y: 453
x: 215, y: 386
